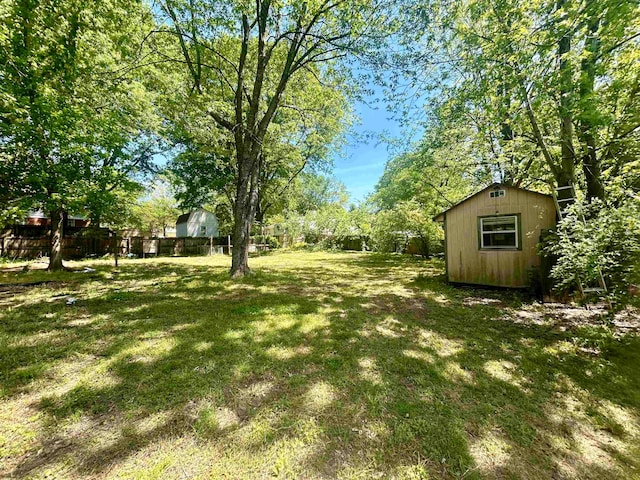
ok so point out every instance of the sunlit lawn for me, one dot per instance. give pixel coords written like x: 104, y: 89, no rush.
x: 322, y: 365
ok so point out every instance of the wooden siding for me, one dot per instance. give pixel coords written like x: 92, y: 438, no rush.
x: 467, y: 263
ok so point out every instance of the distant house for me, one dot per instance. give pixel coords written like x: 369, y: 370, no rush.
x: 29, y: 238
x: 38, y: 218
x: 197, y: 223
x: 491, y: 237
x: 37, y: 224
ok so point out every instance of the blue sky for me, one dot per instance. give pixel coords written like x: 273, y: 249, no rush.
x: 362, y: 162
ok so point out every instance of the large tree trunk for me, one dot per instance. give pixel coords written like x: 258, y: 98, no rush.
x: 590, y: 162
x: 566, y: 174
x: 55, y: 245
x: 591, y: 167
x: 244, y: 211
x: 241, y: 238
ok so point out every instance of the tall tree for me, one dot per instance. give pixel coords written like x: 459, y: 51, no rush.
x: 550, y: 87
x: 438, y: 171
x: 302, y: 136
x: 246, y: 55
x: 74, y: 120
x: 158, y: 209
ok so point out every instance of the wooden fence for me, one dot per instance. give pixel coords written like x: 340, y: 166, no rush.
x: 144, y: 247
x: 80, y: 247
x: 72, y: 247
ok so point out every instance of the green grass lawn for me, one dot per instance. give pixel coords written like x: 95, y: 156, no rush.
x: 322, y: 365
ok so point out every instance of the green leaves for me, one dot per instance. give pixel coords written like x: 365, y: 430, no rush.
x: 515, y: 71
x: 80, y: 119
x: 608, y: 242
x: 393, y: 229
x: 437, y: 172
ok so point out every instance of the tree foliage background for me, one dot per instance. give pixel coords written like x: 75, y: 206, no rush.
x: 78, y: 124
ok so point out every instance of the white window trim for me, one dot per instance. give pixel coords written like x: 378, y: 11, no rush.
x: 493, y: 247
x: 497, y: 193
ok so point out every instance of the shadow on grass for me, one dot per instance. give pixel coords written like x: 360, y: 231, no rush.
x: 351, y: 364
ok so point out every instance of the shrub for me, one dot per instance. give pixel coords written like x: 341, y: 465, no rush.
x: 273, y: 242
x: 608, y: 240
x: 394, y: 229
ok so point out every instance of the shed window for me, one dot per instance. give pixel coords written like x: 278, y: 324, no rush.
x: 203, y: 229
x: 497, y: 193
x: 499, y: 232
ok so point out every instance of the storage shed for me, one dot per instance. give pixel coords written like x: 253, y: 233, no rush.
x: 491, y: 237
x: 197, y: 223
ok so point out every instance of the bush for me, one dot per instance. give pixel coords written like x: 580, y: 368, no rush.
x: 406, y: 224
x: 609, y: 241
x: 328, y: 243
x: 273, y: 242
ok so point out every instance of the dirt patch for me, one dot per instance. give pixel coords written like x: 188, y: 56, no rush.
x: 474, y: 301
x: 567, y: 317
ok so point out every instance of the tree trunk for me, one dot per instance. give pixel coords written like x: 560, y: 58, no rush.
x: 244, y: 211
x: 55, y: 245
x: 566, y: 174
x: 260, y: 212
x: 116, y: 247
x: 425, y: 248
x: 591, y: 167
x: 241, y: 238
x: 590, y: 162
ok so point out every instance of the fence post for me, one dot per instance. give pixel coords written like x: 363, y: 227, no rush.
x: 210, y: 246
x: 229, y: 244
x: 115, y: 248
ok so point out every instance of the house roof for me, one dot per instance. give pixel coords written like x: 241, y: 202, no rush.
x: 184, y: 218
x: 493, y: 185
x: 41, y: 214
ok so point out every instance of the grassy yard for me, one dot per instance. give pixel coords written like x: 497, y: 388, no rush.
x: 322, y: 365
